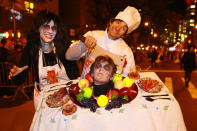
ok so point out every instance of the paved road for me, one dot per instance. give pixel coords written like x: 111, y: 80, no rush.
x: 187, y: 97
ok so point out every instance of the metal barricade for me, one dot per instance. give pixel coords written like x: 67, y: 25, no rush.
x: 5, y: 82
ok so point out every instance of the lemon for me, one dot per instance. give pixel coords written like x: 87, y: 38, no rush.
x: 102, y: 100
x: 128, y: 82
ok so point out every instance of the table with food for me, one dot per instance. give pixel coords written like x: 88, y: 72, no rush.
x: 142, y: 104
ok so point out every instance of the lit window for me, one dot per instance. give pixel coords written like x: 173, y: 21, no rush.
x: 29, y: 6
x: 192, y: 13
x: 19, y: 34
x: 6, y: 34
x: 191, y: 24
x: 191, y: 20
x: 193, y: 6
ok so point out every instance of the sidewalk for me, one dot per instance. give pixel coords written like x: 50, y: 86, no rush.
x: 17, y: 118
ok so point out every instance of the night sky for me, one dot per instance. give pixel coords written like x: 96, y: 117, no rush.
x: 178, y: 6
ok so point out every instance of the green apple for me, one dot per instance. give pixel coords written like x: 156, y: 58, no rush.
x: 79, y: 96
x: 117, y: 77
x: 102, y: 100
x: 83, y: 83
x: 87, y: 92
x: 128, y: 82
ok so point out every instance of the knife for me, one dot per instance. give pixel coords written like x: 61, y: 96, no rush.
x: 156, y: 95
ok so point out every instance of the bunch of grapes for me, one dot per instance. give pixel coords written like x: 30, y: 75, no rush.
x: 117, y: 103
x: 90, y: 103
x: 122, y: 99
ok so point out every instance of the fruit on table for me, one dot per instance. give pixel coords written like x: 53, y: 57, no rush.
x: 112, y: 94
x: 128, y: 82
x: 74, y: 89
x: 87, y: 92
x: 89, y: 77
x: 129, y: 92
x: 119, y: 84
x: 83, y: 83
x: 102, y: 100
x: 133, y: 91
x: 117, y: 77
x: 133, y: 86
x: 79, y: 96
x: 126, y: 97
x: 124, y: 91
x: 90, y: 103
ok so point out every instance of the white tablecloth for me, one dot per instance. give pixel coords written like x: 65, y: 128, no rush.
x: 138, y: 115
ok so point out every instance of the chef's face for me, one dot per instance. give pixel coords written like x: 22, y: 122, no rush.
x: 48, y: 31
x: 102, y: 72
x: 117, y: 29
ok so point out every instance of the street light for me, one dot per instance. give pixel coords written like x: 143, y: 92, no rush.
x: 6, y: 35
x: 155, y: 35
x: 18, y: 34
x: 146, y: 24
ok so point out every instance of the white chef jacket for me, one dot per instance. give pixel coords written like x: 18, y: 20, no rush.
x: 117, y: 47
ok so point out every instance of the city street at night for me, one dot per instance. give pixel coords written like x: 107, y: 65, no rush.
x: 98, y: 65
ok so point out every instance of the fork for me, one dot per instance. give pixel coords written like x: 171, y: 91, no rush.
x: 151, y: 99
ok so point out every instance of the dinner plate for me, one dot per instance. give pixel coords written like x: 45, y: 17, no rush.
x: 55, y: 100
x: 150, y: 85
x: 52, y: 104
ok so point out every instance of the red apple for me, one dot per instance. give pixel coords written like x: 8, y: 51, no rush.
x: 124, y: 91
x: 133, y: 87
x: 112, y: 94
x: 133, y: 91
x: 89, y: 77
x: 74, y: 89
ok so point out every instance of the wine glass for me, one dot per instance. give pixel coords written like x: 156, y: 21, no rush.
x: 135, y: 74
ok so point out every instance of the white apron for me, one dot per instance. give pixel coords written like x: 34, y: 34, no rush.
x: 43, y: 74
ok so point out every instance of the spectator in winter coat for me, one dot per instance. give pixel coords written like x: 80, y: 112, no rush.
x: 189, y: 61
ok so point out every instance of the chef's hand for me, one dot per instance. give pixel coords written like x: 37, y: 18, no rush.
x: 90, y: 42
x: 16, y: 70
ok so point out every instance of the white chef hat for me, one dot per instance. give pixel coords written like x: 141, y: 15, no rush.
x: 131, y: 17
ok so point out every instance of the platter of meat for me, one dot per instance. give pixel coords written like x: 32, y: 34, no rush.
x: 56, y: 99
x: 150, y: 85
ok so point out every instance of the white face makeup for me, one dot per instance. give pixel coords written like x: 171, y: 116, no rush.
x: 48, y: 31
x: 117, y: 29
x: 102, y: 73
